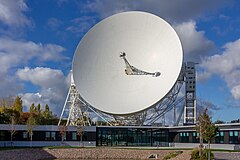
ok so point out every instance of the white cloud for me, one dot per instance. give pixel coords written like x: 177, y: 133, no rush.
x: 53, y: 87
x: 203, y: 76
x: 12, y: 13
x: 16, y: 52
x: 175, y: 11
x: 227, y: 66
x: 8, y: 85
x: 43, y: 77
x: 82, y: 24
x: 54, y: 23
x: 52, y: 83
x: 236, y: 91
x: 195, y: 44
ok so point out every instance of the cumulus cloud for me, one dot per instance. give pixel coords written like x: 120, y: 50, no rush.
x: 8, y: 85
x: 16, y: 52
x: 53, y: 87
x: 227, y: 66
x: 195, y: 43
x: 43, y: 77
x: 12, y: 13
x: 175, y: 11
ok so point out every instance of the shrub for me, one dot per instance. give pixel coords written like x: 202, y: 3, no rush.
x: 172, y: 155
x: 195, y: 154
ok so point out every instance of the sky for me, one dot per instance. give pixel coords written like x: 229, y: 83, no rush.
x: 38, y: 40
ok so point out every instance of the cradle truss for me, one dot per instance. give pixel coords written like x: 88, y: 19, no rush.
x: 76, y: 111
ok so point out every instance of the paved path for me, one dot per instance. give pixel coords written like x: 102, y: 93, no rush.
x: 226, y: 155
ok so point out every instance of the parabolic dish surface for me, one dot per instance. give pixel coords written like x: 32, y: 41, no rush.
x: 150, y: 44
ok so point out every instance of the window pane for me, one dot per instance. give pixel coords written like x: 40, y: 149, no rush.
x: 25, y: 134
x: 231, y: 133
x: 235, y: 133
x: 221, y: 134
x: 74, y: 136
x: 53, y: 135
x: 47, y: 135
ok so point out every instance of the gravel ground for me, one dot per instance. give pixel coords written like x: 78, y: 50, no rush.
x: 25, y: 154
x: 86, y: 153
x: 226, y: 155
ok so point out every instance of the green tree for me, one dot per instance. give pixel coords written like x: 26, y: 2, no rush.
x: 13, y: 117
x: 3, y: 109
x: 3, y: 118
x: 32, y: 121
x: 219, y: 122
x: 39, y: 108
x: 33, y: 109
x: 18, y: 104
x: 12, y: 114
x: 47, y: 115
x: 206, y: 129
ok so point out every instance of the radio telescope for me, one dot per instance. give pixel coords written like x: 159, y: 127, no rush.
x: 127, y: 63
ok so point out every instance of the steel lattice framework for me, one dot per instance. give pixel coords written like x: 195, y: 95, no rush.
x: 76, y: 111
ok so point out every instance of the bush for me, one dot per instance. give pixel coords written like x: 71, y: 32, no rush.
x: 172, y: 155
x: 195, y: 154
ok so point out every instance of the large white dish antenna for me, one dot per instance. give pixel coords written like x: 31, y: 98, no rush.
x: 127, y: 62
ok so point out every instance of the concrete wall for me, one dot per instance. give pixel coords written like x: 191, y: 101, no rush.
x: 213, y: 146
x: 46, y: 143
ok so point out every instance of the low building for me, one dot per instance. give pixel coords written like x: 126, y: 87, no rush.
x: 228, y: 136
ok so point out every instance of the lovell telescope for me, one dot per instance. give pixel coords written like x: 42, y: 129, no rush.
x: 128, y: 70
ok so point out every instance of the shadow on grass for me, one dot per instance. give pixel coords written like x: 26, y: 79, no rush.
x: 25, y: 153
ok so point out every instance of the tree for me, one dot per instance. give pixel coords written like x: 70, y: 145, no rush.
x: 24, y: 117
x: 7, y: 101
x: 219, y: 122
x: 3, y: 109
x: 13, y: 124
x: 62, y: 130
x: 31, y: 122
x: 80, y: 133
x: 18, y: 104
x: 33, y: 109
x: 12, y: 119
x: 3, y: 118
x: 47, y: 115
x: 206, y: 129
x: 39, y: 108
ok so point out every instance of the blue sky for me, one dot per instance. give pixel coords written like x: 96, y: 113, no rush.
x: 38, y: 40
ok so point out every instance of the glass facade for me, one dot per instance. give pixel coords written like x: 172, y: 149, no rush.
x: 195, y: 137
x: 127, y: 136
x: 233, y: 137
x: 2, y: 135
x: 219, y: 137
x: 74, y: 135
x: 184, y: 137
x: 131, y: 137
